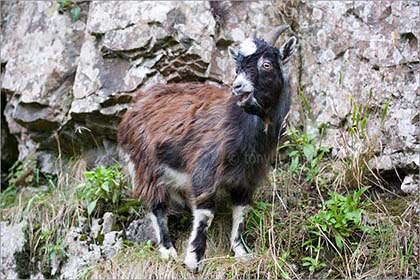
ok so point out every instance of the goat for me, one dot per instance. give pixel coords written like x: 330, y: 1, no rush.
x: 186, y: 141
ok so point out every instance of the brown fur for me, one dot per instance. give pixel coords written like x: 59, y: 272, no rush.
x: 191, y: 114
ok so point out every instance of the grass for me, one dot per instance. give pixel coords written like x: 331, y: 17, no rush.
x: 277, y: 239
x: 52, y: 205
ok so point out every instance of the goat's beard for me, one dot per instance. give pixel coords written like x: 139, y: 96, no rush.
x: 252, y: 106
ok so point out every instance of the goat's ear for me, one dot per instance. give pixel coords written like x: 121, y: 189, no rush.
x: 288, y: 49
x: 233, y: 53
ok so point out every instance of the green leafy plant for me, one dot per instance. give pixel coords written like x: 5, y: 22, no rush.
x: 340, y: 220
x: 313, y: 264
x: 55, y: 250
x: 8, y: 197
x: 104, y: 185
x: 304, y: 154
x: 22, y: 172
x: 359, y: 142
x: 359, y: 117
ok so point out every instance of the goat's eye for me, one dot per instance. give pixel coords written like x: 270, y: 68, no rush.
x: 267, y: 65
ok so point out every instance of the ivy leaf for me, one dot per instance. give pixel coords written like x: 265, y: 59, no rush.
x: 75, y: 13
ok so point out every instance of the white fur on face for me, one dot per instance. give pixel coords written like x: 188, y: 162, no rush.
x: 247, y: 85
x: 247, y: 47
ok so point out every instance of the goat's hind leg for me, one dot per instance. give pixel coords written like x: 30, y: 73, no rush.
x: 159, y: 219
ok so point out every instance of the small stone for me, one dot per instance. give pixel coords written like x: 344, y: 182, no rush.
x: 15, y: 236
x: 410, y: 184
x: 112, y: 243
x: 108, y: 222
x: 95, y: 228
x: 140, y: 231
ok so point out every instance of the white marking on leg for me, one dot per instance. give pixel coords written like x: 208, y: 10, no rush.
x: 238, y: 217
x: 199, y: 215
x: 155, y: 226
x: 247, y: 47
x: 166, y: 253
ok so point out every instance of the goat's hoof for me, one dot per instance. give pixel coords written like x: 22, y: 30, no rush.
x: 167, y: 253
x: 241, y: 254
x: 192, y: 264
x: 244, y: 257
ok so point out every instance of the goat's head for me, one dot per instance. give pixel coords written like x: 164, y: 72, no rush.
x: 259, y: 75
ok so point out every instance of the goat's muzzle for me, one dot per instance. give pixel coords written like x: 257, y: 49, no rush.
x: 244, y: 97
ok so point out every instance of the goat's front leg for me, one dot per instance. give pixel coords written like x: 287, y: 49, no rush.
x: 203, y: 216
x: 238, y: 226
x: 241, y: 205
x: 159, y: 219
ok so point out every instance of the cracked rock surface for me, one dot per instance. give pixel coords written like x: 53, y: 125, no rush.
x: 68, y: 82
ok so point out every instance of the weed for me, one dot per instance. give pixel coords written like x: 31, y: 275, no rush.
x: 8, y: 197
x: 54, y: 250
x: 22, y: 172
x: 257, y: 224
x: 358, y: 145
x: 313, y: 264
x: 103, y: 187
x: 304, y: 154
x: 340, y: 221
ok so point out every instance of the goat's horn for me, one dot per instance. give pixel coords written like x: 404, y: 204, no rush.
x: 274, y: 34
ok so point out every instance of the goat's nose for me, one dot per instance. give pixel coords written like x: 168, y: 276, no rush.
x: 237, y: 87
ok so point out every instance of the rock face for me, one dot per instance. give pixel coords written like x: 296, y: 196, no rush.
x: 68, y: 82
x: 87, y: 250
x: 140, y: 231
x: 12, y: 242
x: 361, y: 49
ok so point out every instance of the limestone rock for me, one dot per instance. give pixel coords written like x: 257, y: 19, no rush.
x: 140, y: 231
x: 108, y: 222
x: 15, y: 236
x: 354, y: 49
x: 87, y: 250
x: 410, y: 184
